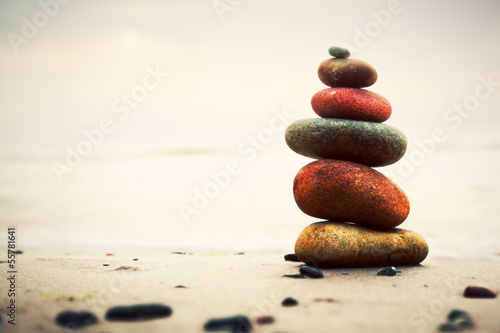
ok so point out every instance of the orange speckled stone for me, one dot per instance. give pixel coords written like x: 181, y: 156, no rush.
x: 336, y: 244
x: 346, y: 72
x: 351, y: 103
x: 350, y: 192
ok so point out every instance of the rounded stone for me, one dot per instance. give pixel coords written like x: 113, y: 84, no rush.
x: 346, y: 72
x: 336, y: 244
x: 74, y: 320
x: 339, y: 52
x: 138, y: 312
x: 369, y: 143
x: 349, y: 192
x: 351, y: 103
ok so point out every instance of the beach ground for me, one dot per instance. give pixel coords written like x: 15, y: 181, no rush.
x: 200, y: 286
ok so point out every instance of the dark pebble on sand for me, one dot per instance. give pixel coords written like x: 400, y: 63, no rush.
x: 138, y: 312
x: 135, y: 259
x: 75, y: 320
x: 180, y: 286
x: 289, y: 302
x: 240, y: 324
x: 387, y: 271
x: 311, y: 272
x: 264, y: 320
x: 178, y: 252
x: 291, y: 257
x: 478, y: 292
x: 105, y: 264
x: 458, y: 320
x: 18, y: 252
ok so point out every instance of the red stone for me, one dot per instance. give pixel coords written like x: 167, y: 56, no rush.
x: 351, y: 103
x: 478, y: 292
x: 344, y: 191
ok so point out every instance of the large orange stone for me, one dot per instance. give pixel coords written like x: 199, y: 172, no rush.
x: 336, y: 244
x: 350, y: 192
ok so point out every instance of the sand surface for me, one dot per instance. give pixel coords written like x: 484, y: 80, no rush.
x: 418, y: 299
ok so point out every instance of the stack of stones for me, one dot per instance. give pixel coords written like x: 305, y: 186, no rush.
x: 361, y: 206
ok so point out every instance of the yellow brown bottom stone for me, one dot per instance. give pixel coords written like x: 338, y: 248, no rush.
x: 337, y: 244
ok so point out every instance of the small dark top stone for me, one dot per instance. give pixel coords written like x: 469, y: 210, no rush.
x: 387, y: 271
x: 138, y: 312
x: 75, y: 320
x: 291, y: 257
x: 311, y: 272
x: 339, y: 52
x: 478, y: 292
x: 240, y: 324
x: 289, y: 302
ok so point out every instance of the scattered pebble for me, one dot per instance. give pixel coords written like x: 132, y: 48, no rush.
x: 311, y: 272
x: 240, y: 253
x: 479, y: 292
x: 458, y: 320
x: 18, y: 252
x: 239, y: 324
x: 75, y: 320
x: 263, y: 320
x: 177, y: 252
x: 289, y: 302
x: 105, y: 264
x: 180, y: 286
x: 291, y: 257
x: 293, y: 276
x: 135, y: 259
x: 127, y: 268
x: 345, y: 273
x: 339, y: 52
x: 387, y: 271
x: 109, y: 254
x: 138, y: 312
x: 328, y: 300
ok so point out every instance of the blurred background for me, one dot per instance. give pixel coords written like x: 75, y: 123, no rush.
x: 160, y: 124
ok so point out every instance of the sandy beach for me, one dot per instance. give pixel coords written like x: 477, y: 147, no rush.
x: 214, y: 285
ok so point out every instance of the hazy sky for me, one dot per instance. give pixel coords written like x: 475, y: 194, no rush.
x: 65, y: 68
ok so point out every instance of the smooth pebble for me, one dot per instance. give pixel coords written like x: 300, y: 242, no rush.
x: 349, y: 192
x: 239, y: 324
x: 368, y: 143
x: 75, y: 319
x: 335, y: 245
x: 138, y: 312
x: 351, y: 103
x: 346, y: 72
x: 339, y: 52
x: 311, y: 272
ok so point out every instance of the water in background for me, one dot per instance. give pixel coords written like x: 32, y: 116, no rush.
x: 134, y: 200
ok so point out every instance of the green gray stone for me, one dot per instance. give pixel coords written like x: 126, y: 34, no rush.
x: 369, y: 143
x: 339, y: 52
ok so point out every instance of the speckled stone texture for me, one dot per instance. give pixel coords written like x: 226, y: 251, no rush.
x: 350, y: 192
x: 369, y: 143
x: 336, y: 244
x: 351, y: 103
x: 346, y: 72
